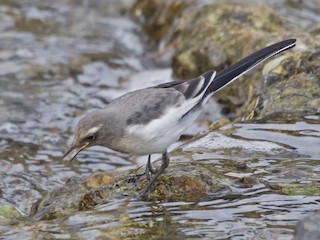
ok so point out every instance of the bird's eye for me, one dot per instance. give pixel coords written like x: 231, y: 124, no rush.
x: 90, y: 138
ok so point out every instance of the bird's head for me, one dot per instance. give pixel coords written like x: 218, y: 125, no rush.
x: 89, y: 132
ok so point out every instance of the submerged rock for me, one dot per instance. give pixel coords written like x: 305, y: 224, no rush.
x: 9, y: 214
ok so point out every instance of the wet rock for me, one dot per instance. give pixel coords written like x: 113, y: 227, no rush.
x: 9, y: 214
x: 301, y: 189
x: 199, y: 41
x: 308, y: 228
x: 203, y: 42
x: 188, y: 182
x: 292, y: 83
x: 72, y: 196
x: 157, y: 16
x: 199, y: 34
x: 245, y: 182
x: 213, y: 141
x: 182, y: 182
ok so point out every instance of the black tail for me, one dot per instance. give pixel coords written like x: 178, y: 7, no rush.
x: 236, y: 70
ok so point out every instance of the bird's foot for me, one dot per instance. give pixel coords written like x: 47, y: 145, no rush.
x: 155, y: 173
x: 147, y: 191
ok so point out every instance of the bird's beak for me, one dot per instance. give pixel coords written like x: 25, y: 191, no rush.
x: 73, y: 151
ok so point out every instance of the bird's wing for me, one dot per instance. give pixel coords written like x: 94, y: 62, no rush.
x: 191, y: 88
x: 151, y: 103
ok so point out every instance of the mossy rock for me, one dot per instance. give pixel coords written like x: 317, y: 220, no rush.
x: 9, y: 214
x: 307, y: 190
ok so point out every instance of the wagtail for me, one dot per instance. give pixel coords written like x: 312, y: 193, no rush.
x: 149, y: 120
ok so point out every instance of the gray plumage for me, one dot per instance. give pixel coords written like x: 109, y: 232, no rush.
x: 147, y: 104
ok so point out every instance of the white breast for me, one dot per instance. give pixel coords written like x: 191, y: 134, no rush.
x: 159, y: 134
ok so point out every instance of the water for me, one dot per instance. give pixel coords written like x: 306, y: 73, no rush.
x: 45, y: 90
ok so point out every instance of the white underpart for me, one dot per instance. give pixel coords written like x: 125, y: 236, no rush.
x: 159, y: 134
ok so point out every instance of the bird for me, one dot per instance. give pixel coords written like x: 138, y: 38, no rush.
x: 149, y: 120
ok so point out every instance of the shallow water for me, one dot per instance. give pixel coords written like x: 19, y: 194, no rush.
x: 44, y: 92
x: 256, y: 210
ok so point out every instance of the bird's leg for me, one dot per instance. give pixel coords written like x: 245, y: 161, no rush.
x: 164, y: 165
x: 149, y: 169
